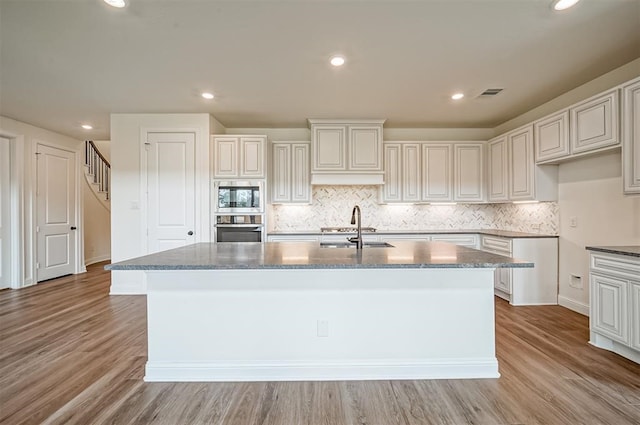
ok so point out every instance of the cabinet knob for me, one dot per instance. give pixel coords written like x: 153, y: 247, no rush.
x: 190, y: 232
x: 73, y: 227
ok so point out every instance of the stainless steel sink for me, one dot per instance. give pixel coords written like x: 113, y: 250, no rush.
x: 352, y: 245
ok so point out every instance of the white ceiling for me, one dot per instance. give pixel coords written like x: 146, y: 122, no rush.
x: 65, y: 62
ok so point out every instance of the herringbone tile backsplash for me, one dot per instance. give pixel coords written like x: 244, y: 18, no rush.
x: 332, y: 206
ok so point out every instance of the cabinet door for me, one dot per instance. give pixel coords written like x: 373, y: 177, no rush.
x: 329, y: 148
x: 609, y: 315
x: 365, y: 148
x: 521, y: 163
x: 631, y: 137
x: 551, y: 137
x: 635, y: 315
x: 225, y: 157
x: 391, y: 191
x: 498, y: 170
x: 280, y: 175
x: 436, y: 173
x: 252, y: 157
x: 411, y: 172
x: 594, y: 123
x: 300, y: 184
x: 502, y: 280
x: 468, y: 172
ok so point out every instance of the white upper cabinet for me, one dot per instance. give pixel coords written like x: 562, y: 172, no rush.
x: 433, y: 172
x: 392, y: 188
x: 411, y: 172
x: 498, y: 169
x: 594, y: 123
x: 468, y: 169
x: 512, y: 172
x: 631, y: 136
x: 329, y: 147
x: 552, y: 136
x: 346, y: 151
x: 521, y: 164
x: 365, y: 147
x: 289, y: 176
x: 238, y: 156
x: 437, y: 172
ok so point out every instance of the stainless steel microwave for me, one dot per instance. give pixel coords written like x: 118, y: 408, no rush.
x: 238, y: 197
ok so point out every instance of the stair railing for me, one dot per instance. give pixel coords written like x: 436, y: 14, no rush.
x: 98, y: 167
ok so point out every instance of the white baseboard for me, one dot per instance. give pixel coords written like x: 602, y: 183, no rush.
x: 576, y: 306
x: 93, y: 260
x: 323, y: 371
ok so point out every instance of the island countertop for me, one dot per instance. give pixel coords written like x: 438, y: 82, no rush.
x: 310, y: 255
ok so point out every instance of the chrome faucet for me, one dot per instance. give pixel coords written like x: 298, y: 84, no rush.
x: 358, y: 239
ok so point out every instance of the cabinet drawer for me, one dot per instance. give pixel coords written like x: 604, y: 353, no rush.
x: 492, y: 243
x: 624, y: 267
x: 463, y: 240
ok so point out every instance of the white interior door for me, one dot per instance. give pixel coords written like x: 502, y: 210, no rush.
x: 5, y: 198
x: 56, y: 222
x: 170, y: 190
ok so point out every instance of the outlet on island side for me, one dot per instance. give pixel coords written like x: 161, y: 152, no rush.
x: 323, y: 328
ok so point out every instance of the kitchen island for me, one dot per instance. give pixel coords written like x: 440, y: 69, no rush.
x: 299, y: 311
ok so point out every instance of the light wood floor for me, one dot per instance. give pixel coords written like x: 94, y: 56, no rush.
x: 71, y: 354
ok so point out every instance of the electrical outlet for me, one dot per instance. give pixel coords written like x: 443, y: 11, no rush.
x: 575, y: 281
x: 573, y: 221
x: 323, y: 328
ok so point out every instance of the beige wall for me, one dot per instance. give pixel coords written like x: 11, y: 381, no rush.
x: 590, y: 190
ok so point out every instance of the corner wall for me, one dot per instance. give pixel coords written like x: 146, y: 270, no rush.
x: 128, y: 132
x: 590, y: 190
x: 23, y: 141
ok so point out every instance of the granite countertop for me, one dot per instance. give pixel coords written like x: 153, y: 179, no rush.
x: 489, y: 232
x: 310, y: 255
x: 630, y: 250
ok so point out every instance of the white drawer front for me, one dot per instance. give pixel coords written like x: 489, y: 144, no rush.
x: 625, y: 267
x: 464, y: 240
x: 492, y: 243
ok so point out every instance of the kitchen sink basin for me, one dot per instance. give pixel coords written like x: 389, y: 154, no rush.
x: 352, y: 245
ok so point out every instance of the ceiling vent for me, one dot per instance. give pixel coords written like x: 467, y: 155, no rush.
x: 490, y: 92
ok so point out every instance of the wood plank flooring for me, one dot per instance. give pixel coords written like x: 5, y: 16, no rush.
x: 71, y: 354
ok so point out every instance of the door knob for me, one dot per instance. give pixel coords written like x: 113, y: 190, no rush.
x: 73, y: 227
x: 190, y: 232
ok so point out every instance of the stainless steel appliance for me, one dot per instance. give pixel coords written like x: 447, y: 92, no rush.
x: 238, y: 197
x: 239, y: 228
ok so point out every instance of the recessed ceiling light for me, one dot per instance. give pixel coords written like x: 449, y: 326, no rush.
x: 208, y: 95
x: 457, y: 96
x: 337, y: 61
x: 87, y: 126
x: 116, y: 3
x: 564, y: 4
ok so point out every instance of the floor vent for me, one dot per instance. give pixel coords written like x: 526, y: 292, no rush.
x: 490, y: 92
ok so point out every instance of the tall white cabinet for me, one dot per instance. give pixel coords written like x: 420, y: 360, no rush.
x: 289, y: 175
x: 512, y: 172
x: 631, y: 137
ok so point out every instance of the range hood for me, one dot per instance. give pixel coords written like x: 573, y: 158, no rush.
x: 347, y: 179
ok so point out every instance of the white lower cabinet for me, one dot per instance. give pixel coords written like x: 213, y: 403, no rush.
x: 609, y: 313
x: 614, y: 310
x: 526, y: 286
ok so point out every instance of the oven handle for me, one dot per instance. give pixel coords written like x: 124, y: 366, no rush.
x: 258, y: 227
